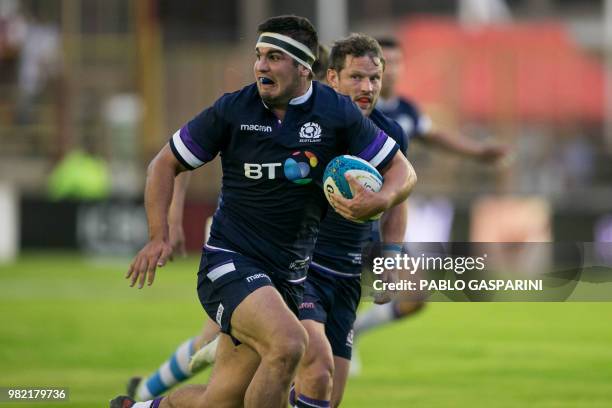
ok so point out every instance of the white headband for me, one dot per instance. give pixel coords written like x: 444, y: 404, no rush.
x: 288, y: 45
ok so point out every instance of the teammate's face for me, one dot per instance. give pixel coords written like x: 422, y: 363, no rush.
x: 360, y: 79
x: 277, y: 76
x: 394, y: 65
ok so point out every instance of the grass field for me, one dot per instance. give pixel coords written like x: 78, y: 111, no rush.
x: 72, y: 322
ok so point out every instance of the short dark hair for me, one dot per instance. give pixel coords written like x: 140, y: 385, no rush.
x: 357, y: 45
x: 298, y: 28
x: 388, y: 42
x: 319, y: 68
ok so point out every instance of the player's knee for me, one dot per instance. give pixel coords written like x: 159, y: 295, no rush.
x: 286, y: 351
x: 318, y: 369
x: 320, y: 375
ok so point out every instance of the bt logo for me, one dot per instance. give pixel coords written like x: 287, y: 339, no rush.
x: 296, y: 168
x: 256, y: 171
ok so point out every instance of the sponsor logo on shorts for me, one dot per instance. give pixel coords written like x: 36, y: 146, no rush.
x: 219, y: 314
x: 256, y: 276
x: 355, y: 258
x: 299, y: 264
x: 349, y: 338
x: 307, y: 305
x: 257, y: 128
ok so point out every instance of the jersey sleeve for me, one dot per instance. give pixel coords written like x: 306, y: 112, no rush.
x: 397, y: 133
x: 199, y: 141
x: 367, y: 141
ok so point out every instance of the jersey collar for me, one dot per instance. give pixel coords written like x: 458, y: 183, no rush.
x: 301, y: 99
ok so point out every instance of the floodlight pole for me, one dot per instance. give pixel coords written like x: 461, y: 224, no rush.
x: 150, y: 74
x: 252, y: 12
x: 332, y: 20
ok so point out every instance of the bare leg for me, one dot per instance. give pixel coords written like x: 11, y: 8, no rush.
x: 264, y: 322
x: 208, y: 334
x: 341, y: 372
x: 316, y: 369
x: 258, y: 372
x: 228, y: 383
x: 408, y: 307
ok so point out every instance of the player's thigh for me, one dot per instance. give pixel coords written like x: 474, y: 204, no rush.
x: 225, y: 281
x: 232, y: 373
x: 264, y: 322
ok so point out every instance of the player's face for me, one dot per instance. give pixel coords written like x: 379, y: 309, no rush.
x: 393, y: 67
x: 360, y: 79
x: 277, y: 76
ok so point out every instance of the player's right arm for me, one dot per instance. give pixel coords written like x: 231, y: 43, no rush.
x: 190, y: 147
x: 159, y: 188
x: 175, y: 214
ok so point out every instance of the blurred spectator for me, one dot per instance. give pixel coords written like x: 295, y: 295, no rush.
x: 80, y: 176
x: 578, y: 158
x: 12, y: 29
x: 603, y: 238
x: 39, y: 61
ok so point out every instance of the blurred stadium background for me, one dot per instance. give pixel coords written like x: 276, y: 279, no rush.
x: 90, y: 90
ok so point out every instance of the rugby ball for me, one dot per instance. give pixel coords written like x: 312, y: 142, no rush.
x: 334, y: 181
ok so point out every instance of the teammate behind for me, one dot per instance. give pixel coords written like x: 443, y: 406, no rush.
x: 333, y: 287
x: 263, y: 233
x: 417, y: 126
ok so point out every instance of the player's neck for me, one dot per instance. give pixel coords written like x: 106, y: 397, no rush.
x: 301, y: 95
x: 280, y: 113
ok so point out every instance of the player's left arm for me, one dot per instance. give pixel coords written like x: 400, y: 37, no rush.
x: 457, y: 142
x: 400, y: 178
x: 393, y: 223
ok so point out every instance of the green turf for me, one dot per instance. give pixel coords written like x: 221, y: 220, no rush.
x: 72, y: 322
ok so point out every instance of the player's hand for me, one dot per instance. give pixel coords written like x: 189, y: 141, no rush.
x: 155, y: 254
x: 388, y: 276
x: 364, y: 204
x: 177, y: 239
x: 494, y: 153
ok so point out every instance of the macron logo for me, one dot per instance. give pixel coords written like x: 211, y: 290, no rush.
x: 257, y: 128
x: 256, y: 276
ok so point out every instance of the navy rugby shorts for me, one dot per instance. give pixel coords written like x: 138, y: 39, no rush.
x: 226, y: 278
x: 332, y: 301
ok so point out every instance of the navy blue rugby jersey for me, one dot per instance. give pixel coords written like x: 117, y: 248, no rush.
x: 413, y: 122
x: 340, y: 241
x: 271, y: 197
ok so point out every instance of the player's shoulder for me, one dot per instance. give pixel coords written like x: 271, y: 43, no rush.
x: 327, y: 97
x: 237, y: 99
x: 331, y: 104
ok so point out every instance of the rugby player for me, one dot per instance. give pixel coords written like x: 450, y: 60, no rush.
x: 262, y: 237
x: 177, y: 367
x: 417, y: 126
x: 333, y: 287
